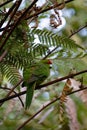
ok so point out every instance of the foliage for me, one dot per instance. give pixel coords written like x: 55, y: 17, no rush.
x: 26, y: 44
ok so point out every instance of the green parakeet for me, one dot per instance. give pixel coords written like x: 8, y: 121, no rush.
x: 34, y: 76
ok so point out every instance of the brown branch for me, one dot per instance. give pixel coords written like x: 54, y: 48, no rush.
x: 52, y: 82
x: 78, y: 90
x: 24, y: 13
x: 14, y: 88
x: 13, y: 12
x: 3, y: 55
x: 9, y: 27
x: 44, y: 107
x: 12, y: 96
x: 7, y: 38
x: 7, y: 14
x: 42, y: 11
x: 27, y: 121
x: 50, y: 52
x: 73, y: 33
x: 7, y: 2
x: 16, y: 23
x: 61, y: 79
x: 14, y: 93
x: 9, y: 93
x: 56, y: 47
x: 47, y: 9
x: 44, y: 85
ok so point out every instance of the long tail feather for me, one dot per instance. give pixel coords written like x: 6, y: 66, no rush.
x: 29, y: 95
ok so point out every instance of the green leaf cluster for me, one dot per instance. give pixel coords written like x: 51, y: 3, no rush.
x: 23, y: 49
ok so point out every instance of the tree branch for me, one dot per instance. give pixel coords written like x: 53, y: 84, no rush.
x: 12, y: 13
x: 16, y: 23
x: 3, y: 55
x: 14, y: 93
x: 7, y: 2
x: 32, y: 117
x: 9, y: 93
x: 44, y: 85
x: 47, y: 9
x: 61, y: 79
x: 42, y: 11
x: 41, y: 86
x: 44, y: 107
x: 73, y: 33
x: 7, y: 14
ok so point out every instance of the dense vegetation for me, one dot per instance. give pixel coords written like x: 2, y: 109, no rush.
x: 29, y: 32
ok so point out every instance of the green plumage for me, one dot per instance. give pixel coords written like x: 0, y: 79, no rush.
x: 34, y: 76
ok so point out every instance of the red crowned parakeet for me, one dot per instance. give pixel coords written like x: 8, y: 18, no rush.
x: 34, y: 76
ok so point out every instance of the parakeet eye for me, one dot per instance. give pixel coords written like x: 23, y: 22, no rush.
x: 50, y: 67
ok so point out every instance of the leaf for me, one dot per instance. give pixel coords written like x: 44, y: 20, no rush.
x: 51, y: 39
x: 11, y: 73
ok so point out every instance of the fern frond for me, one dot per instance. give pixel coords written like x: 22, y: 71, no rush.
x: 19, y: 57
x: 50, y: 39
x: 73, y: 54
x: 40, y: 50
x: 11, y: 73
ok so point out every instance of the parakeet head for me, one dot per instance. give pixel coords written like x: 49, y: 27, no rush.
x: 47, y: 61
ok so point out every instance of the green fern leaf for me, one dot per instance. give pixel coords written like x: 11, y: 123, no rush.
x: 11, y: 73
x: 50, y: 39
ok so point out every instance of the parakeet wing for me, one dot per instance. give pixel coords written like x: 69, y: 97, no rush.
x: 37, y: 73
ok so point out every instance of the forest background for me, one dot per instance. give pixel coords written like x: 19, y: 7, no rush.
x: 29, y: 32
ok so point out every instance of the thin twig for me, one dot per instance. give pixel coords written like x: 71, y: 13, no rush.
x: 3, y: 55
x: 24, y: 13
x: 5, y: 42
x: 73, y: 33
x: 32, y: 117
x: 3, y: 28
x: 14, y: 93
x: 16, y: 23
x: 7, y: 14
x: 14, y: 88
x: 12, y: 96
x: 9, y: 93
x: 13, y: 12
x: 7, y: 2
x: 61, y: 79
x: 44, y: 107
x: 47, y: 9
x: 42, y: 11
x: 44, y: 85
x: 41, y: 85
x: 55, y: 48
